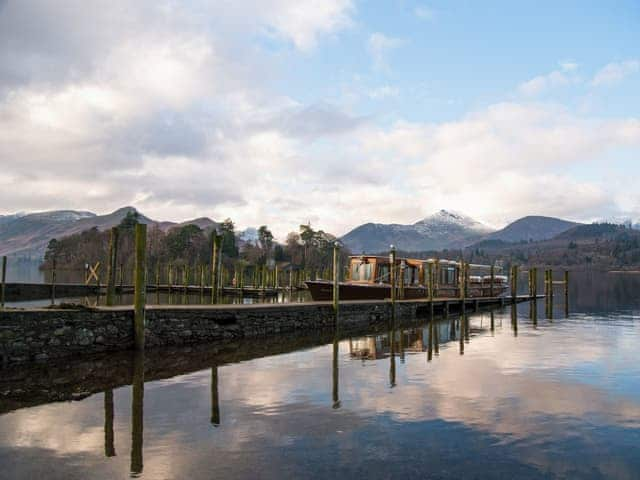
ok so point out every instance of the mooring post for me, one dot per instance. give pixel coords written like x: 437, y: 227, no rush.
x: 534, y: 282
x: 392, y: 275
x: 121, y: 278
x: 336, y: 277
x: 185, y: 278
x: 403, y: 269
x: 157, y: 275
x: 111, y: 267
x: 3, y: 281
x: 436, y: 278
x: 53, y: 282
x: 140, y: 285
x: 431, y: 278
x: 461, y: 276
x: 493, y: 278
x: 514, y: 283
x: 215, y: 242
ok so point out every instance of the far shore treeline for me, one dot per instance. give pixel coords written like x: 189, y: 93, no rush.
x: 190, y: 246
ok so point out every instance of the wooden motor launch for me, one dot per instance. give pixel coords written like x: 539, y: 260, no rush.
x: 369, y: 278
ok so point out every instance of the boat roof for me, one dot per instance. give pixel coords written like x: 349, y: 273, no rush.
x: 441, y: 261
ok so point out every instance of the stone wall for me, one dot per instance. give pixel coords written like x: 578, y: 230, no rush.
x: 41, y: 334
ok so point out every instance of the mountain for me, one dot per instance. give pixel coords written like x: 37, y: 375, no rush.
x: 443, y: 229
x: 531, y: 228
x: 29, y: 234
x: 205, y: 223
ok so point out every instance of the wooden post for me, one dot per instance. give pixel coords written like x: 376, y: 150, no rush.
x: 467, y: 270
x: 53, y: 282
x: 514, y: 282
x: 493, y: 279
x: 215, y: 242
x: 111, y: 267
x: 336, y: 276
x: 121, y: 278
x: 403, y: 266
x: 436, y: 278
x: 157, y: 275
x: 140, y: 285
x: 392, y: 274
x: 431, y: 278
x: 185, y: 278
x: 3, y: 281
x: 461, y: 276
x: 275, y: 279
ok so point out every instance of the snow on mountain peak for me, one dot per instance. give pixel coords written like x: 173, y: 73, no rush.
x: 449, y: 218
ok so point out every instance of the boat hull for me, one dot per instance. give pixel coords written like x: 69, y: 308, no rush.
x: 322, y: 290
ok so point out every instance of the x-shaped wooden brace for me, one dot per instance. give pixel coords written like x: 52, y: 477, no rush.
x: 92, y: 273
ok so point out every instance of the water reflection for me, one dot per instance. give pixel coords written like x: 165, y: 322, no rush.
x: 560, y: 400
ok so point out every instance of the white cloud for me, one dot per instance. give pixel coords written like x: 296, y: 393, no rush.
x: 384, y: 91
x: 542, y: 83
x: 615, y: 72
x: 171, y: 113
x: 424, y: 12
x: 380, y: 46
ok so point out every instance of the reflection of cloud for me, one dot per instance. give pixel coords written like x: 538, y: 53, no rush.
x: 276, y: 412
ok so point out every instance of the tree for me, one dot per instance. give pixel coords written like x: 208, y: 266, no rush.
x: 229, y: 247
x: 265, y: 239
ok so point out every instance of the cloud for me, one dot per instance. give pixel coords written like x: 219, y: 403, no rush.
x: 382, y: 92
x: 380, y: 46
x: 613, y: 73
x: 178, y: 115
x: 557, y: 78
x: 424, y: 12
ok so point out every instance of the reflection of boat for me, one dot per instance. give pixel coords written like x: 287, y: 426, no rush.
x: 369, y: 279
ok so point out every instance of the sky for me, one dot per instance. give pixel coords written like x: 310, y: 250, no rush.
x: 333, y: 112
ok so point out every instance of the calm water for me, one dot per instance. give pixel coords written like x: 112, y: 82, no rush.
x: 530, y: 398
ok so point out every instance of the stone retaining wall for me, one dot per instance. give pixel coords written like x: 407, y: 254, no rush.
x: 41, y: 334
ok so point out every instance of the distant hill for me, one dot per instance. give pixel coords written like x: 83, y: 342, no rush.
x: 443, y: 229
x: 29, y: 234
x: 531, y: 229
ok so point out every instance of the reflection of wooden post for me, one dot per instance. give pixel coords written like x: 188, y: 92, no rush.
x: 430, y: 342
x: 215, y: 403
x: 3, y: 281
x: 140, y: 286
x: 336, y: 373
x: 392, y: 358
x: 111, y: 267
x: 566, y: 292
x: 109, y: 444
x: 493, y: 324
x: 462, y: 331
x: 514, y: 319
x: 137, y: 412
x: 336, y: 276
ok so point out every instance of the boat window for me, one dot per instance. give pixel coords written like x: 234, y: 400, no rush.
x: 366, y: 272
x: 360, y: 271
x: 355, y: 271
x: 383, y: 273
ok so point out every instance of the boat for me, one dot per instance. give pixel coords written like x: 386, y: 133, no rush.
x: 369, y: 278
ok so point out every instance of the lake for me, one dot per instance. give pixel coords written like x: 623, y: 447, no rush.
x: 514, y: 396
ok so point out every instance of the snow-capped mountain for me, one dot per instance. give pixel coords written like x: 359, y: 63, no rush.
x: 443, y: 229
x: 249, y: 235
